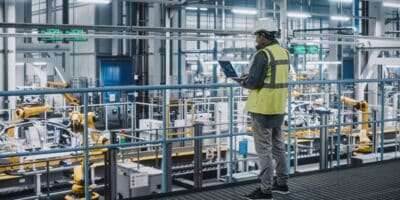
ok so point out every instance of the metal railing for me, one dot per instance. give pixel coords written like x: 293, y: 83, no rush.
x: 164, y: 141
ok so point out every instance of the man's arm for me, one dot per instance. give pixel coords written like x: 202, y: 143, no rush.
x: 257, y: 73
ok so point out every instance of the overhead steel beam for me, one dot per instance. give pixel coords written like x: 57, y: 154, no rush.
x: 361, y: 39
x: 120, y: 28
x: 31, y: 47
x: 379, y: 43
x: 166, y: 2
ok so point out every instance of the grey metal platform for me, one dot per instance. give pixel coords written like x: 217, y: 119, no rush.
x: 373, y: 181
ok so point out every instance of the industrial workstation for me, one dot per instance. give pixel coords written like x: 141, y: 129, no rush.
x: 199, y: 99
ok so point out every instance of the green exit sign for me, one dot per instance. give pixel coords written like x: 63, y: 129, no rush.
x: 312, y: 50
x: 76, y: 32
x: 56, y: 32
x: 304, y: 49
x: 51, y: 31
x: 299, y: 49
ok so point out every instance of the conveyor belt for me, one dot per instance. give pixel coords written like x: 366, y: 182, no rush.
x: 373, y: 181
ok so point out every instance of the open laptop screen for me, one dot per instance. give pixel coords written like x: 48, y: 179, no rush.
x: 227, y: 68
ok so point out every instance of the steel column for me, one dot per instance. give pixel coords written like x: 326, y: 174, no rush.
x: 323, y: 153
x: 374, y: 132
x: 198, y: 156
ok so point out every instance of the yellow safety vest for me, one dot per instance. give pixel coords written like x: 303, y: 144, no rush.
x: 272, y: 98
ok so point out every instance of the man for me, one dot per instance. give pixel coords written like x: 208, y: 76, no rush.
x: 267, y: 82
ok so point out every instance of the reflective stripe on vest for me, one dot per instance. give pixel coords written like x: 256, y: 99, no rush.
x: 273, y: 63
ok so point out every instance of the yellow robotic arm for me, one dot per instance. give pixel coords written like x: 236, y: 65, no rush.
x: 78, y: 188
x: 68, y: 96
x: 359, y: 105
x: 26, y: 112
x: 363, y: 107
x: 78, y: 120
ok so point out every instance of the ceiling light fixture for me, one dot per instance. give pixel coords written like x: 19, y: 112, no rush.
x: 342, y: 1
x: 195, y: 9
x: 95, y: 1
x: 39, y: 63
x: 340, y: 18
x: 391, y: 4
x: 298, y: 15
x: 324, y: 62
x: 244, y: 11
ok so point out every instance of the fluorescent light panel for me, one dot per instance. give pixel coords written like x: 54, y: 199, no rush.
x: 95, y: 1
x: 391, y: 4
x: 210, y: 62
x: 244, y: 11
x: 39, y: 63
x: 342, y: 1
x: 195, y: 8
x: 324, y: 62
x: 340, y: 18
x: 240, y: 62
x: 298, y: 15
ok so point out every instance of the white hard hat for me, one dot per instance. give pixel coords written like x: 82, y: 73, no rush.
x: 265, y: 24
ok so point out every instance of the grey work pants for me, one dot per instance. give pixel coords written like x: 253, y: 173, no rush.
x: 268, y: 142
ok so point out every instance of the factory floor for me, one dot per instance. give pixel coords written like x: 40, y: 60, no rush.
x: 370, y: 181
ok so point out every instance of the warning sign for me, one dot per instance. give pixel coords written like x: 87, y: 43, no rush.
x: 139, y: 180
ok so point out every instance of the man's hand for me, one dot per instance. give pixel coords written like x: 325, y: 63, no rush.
x: 237, y: 79
x: 244, y: 75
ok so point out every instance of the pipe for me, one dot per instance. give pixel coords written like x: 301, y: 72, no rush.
x: 180, y: 53
x: 382, y: 138
x: 86, y: 145
x: 356, y: 11
x: 322, y: 29
x: 5, y: 54
x: 78, y: 149
x: 339, y: 132
x: 164, y: 185
x: 175, y: 87
x: 230, y: 166
x: 288, y: 150
x: 126, y: 36
x: 65, y: 11
x: 283, y: 23
x: 215, y: 53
